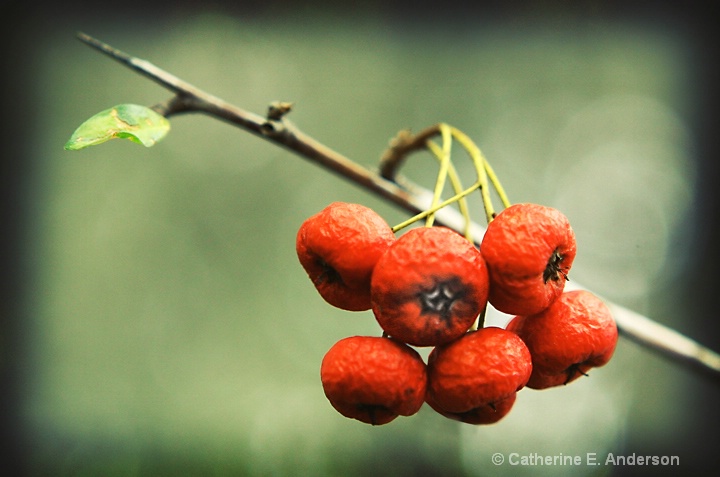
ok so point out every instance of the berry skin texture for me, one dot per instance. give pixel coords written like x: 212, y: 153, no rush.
x: 477, y: 372
x: 338, y: 248
x: 488, y: 414
x: 429, y: 287
x: 577, y: 332
x: 373, y: 379
x: 529, y: 249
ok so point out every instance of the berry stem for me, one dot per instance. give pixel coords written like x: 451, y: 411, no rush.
x: 485, y: 173
x: 444, y: 159
x: 480, y: 322
x: 439, y: 206
x: 457, y: 188
x: 447, y: 171
x: 498, y: 186
x: 479, y: 162
x: 405, y: 143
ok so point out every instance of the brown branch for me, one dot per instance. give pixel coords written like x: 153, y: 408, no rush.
x: 386, y: 184
x: 401, y: 146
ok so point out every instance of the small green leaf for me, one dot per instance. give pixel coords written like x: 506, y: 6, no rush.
x: 128, y: 121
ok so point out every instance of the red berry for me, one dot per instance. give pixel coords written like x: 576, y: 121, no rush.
x: 577, y: 332
x: 478, y: 371
x: 338, y: 248
x: 488, y: 414
x: 429, y: 287
x: 373, y: 379
x: 529, y: 250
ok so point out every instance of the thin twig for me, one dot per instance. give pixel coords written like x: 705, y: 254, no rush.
x: 387, y: 184
x: 401, y: 146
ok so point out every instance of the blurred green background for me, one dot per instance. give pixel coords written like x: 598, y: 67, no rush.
x: 167, y: 327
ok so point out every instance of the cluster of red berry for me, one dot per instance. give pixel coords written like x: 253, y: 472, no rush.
x: 430, y: 287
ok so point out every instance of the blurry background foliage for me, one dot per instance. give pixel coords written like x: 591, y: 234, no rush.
x: 168, y: 325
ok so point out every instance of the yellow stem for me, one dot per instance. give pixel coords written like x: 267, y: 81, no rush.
x: 443, y: 172
x: 479, y: 157
x: 498, y: 186
x: 479, y: 163
x: 439, y: 206
x: 485, y: 176
x: 457, y: 188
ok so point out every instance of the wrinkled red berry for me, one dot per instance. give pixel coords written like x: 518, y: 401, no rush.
x: 373, y: 379
x: 338, y: 248
x: 478, y: 371
x: 487, y: 414
x: 529, y: 249
x: 429, y: 287
x: 577, y: 332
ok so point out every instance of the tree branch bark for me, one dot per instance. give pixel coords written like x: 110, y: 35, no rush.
x: 390, y: 186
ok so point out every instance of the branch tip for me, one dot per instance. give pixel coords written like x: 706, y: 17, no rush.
x: 104, y: 47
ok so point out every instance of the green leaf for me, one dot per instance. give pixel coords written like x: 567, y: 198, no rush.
x: 127, y: 121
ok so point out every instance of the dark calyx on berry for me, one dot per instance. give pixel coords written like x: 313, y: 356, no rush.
x: 573, y: 371
x: 373, y: 410
x: 328, y: 275
x: 440, y: 299
x: 553, y: 270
